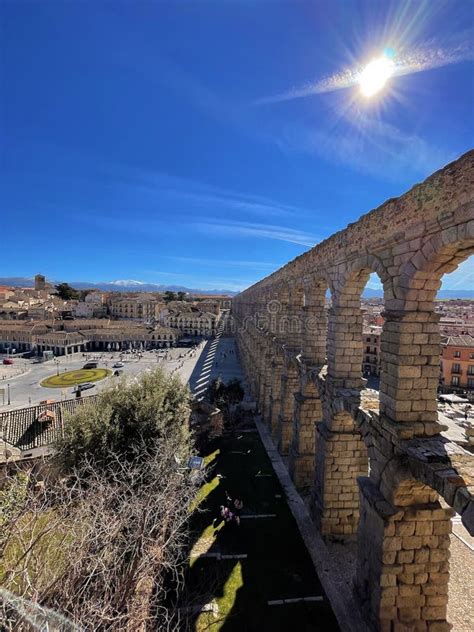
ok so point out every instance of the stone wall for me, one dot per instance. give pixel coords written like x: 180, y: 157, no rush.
x: 375, y: 473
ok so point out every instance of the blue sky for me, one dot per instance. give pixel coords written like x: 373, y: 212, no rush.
x: 203, y: 143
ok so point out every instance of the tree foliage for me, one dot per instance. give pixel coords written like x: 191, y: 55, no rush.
x: 131, y: 418
x: 67, y: 293
x: 224, y: 394
x: 103, y: 544
x: 169, y: 296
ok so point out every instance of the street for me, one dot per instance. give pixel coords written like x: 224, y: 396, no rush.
x: 25, y: 389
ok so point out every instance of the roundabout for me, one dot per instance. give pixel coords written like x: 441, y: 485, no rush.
x: 71, y: 378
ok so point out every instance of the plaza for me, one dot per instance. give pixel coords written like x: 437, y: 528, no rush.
x: 24, y: 382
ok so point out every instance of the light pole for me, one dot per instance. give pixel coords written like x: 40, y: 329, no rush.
x: 8, y: 394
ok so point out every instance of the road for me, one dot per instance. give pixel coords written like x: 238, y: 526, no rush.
x: 216, y: 357
x: 25, y: 389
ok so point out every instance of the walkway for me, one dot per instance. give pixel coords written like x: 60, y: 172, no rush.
x: 217, y: 359
x: 257, y: 576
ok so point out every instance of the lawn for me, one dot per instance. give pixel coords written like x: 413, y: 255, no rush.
x: 71, y: 378
x: 277, y: 565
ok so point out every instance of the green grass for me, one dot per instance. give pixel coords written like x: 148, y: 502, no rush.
x: 47, y: 558
x: 71, y: 378
x: 278, y: 565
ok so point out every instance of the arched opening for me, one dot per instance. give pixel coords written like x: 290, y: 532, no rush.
x: 341, y: 454
x: 372, y: 307
x: 454, y: 308
x: 356, y: 321
x: 410, y: 369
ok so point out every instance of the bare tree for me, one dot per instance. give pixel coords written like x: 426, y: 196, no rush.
x: 106, y: 552
x: 103, y: 545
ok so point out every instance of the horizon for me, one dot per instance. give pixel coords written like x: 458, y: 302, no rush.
x: 149, y: 149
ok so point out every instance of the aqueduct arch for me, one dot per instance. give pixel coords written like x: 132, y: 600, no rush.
x: 410, y: 242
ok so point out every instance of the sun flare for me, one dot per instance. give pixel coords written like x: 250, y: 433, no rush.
x: 375, y: 75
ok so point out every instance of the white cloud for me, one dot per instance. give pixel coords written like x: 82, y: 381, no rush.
x: 462, y: 278
x: 265, y: 231
x: 164, y: 188
x: 367, y: 145
x: 255, y: 265
x: 426, y: 56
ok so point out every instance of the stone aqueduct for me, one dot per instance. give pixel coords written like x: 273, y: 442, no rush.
x: 376, y: 470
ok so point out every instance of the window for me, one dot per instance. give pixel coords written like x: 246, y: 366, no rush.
x: 470, y: 382
x: 368, y: 339
x: 457, y: 354
x: 471, y: 356
x: 470, y: 369
x: 456, y: 368
x: 367, y: 350
x: 454, y: 381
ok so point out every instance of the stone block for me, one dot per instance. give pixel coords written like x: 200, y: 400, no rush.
x: 405, y: 528
x: 439, y: 626
x: 405, y: 557
x: 424, y: 528
x: 413, y: 601
x: 409, y: 614
x: 421, y: 578
x: 433, y: 612
x: 422, y: 555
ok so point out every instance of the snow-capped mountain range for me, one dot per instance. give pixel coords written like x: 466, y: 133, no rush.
x: 120, y: 285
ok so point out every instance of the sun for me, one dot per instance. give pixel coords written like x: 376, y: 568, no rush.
x: 375, y: 75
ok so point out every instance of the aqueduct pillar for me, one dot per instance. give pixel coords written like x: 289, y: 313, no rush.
x: 403, y: 531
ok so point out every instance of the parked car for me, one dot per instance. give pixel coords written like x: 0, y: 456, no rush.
x: 7, y: 361
x: 118, y: 365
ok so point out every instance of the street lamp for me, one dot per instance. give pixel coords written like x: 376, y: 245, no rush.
x: 8, y: 394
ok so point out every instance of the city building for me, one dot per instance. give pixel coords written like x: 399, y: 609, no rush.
x: 457, y: 363
x: 64, y: 338
x: 193, y: 322
x: 371, y: 349
x: 143, y: 307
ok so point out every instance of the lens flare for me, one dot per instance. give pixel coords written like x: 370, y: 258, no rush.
x: 375, y: 75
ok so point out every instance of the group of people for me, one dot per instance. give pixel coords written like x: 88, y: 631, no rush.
x: 223, y: 355
x: 230, y: 512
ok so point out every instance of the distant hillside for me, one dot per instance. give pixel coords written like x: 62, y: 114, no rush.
x: 114, y: 286
x: 129, y: 285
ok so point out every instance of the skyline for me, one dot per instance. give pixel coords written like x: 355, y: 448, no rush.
x: 149, y: 149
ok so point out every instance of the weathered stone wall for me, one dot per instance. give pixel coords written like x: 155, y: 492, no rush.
x: 303, y: 364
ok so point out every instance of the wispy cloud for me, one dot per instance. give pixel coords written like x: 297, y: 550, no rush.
x: 462, y: 278
x: 431, y: 55
x: 170, y: 189
x: 427, y: 56
x: 254, y: 265
x: 368, y: 145
x: 265, y: 231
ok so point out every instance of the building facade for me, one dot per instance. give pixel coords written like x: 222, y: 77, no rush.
x: 371, y: 343
x: 457, y: 363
